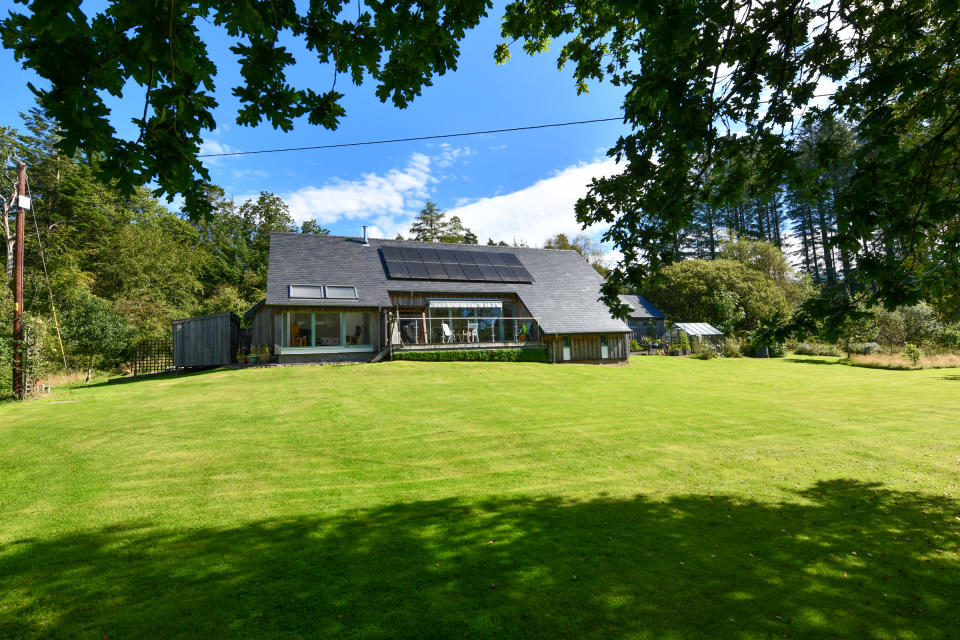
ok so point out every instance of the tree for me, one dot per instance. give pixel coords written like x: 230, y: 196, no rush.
x: 714, y: 94
x: 729, y: 313
x: 686, y: 291
x: 431, y: 225
x: 582, y: 244
x: 313, y: 227
x: 153, y: 52
x: 91, y: 328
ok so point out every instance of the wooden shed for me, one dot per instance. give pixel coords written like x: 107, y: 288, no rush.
x: 206, y: 341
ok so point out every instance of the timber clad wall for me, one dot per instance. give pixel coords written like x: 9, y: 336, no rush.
x: 266, y: 328
x: 205, y: 341
x: 587, y: 348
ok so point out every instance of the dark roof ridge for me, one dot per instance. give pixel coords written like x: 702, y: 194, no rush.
x: 440, y: 244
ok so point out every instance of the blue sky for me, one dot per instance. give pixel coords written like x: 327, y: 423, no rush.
x: 510, y: 186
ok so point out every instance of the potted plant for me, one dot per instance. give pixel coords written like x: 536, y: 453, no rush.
x: 241, y: 359
x: 264, y: 353
x: 522, y: 336
x: 684, y: 344
x: 253, y: 355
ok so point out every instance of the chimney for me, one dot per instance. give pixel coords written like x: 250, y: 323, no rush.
x: 365, y: 243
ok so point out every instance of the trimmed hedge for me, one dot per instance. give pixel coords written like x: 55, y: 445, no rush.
x: 475, y: 355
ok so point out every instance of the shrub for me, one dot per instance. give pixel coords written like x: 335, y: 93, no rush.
x: 913, y: 352
x: 731, y: 348
x: 777, y: 349
x: 634, y: 345
x: 816, y: 349
x: 475, y: 355
x: 949, y: 338
x: 864, y: 348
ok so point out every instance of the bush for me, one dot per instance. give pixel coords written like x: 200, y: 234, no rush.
x: 731, y: 348
x: 913, y: 352
x: 751, y: 348
x: 864, y: 348
x: 475, y: 355
x: 634, y: 345
x: 949, y: 338
x: 816, y: 349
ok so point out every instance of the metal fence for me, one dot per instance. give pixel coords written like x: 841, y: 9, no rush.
x: 152, y: 356
x: 467, y: 330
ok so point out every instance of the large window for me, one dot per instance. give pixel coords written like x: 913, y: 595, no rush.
x: 301, y: 329
x: 328, y: 329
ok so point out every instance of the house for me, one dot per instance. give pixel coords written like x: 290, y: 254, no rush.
x: 334, y: 298
x: 646, y: 322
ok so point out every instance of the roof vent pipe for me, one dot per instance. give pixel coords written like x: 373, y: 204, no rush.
x: 365, y: 243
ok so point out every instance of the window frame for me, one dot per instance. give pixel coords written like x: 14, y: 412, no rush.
x: 343, y: 347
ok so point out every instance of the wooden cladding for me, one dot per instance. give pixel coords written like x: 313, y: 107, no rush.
x: 589, y: 347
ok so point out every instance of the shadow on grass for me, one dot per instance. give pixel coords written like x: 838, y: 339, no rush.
x: 812, y: 361
x: 848, y: 560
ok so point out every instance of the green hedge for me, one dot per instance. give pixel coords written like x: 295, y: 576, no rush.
x: 477, y: 355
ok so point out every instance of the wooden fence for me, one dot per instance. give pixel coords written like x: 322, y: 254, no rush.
x: 152, y: 356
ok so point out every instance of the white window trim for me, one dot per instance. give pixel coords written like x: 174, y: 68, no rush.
x: 323, y: 291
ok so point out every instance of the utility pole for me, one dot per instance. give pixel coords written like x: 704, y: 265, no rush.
x: 18, y: 346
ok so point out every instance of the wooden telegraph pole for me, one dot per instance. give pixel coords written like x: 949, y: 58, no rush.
x: 18, y: 346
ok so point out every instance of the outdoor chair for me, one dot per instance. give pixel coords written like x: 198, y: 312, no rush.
x: 447, y: 333
x: 473, y: 334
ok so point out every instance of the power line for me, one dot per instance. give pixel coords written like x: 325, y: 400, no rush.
x: 412, y: 139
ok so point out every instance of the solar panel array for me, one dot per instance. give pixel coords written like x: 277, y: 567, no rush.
x: 453, y: 264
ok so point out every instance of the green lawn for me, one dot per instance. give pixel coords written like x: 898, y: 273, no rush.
x: 671, y: 498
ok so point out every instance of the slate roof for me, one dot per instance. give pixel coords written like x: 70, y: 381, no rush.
x: 641, y: 308
x: 564, y: 297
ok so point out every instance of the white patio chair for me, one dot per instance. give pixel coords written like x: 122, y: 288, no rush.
x: 447, y: 333
x: 473, y: 333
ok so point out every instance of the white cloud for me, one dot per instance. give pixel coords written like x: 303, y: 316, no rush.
x: 213, y: 147
x: 450, y: 154
x: 537, y: 212
x: 240, y: 174
x: 390, y: 195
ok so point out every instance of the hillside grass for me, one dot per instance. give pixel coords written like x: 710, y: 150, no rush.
x: 671, y: 498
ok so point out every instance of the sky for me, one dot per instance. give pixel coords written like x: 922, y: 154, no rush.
x: 518, y: 186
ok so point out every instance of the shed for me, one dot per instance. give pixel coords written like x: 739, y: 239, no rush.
x: 206, y: 341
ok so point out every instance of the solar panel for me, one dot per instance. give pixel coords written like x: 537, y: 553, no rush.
x: 418, y: 270
x: 472, y: 272
x: 496, y: 259
x: 489, y: 272
x: 435, y: 270
x: 453, y: 264
x: 446, y: 255
x: 454, y: 271
x: 506, y: 273
x: 397, y: 269
x: 391, y: 253
x: 429, y: 255
x: 522, y: 274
